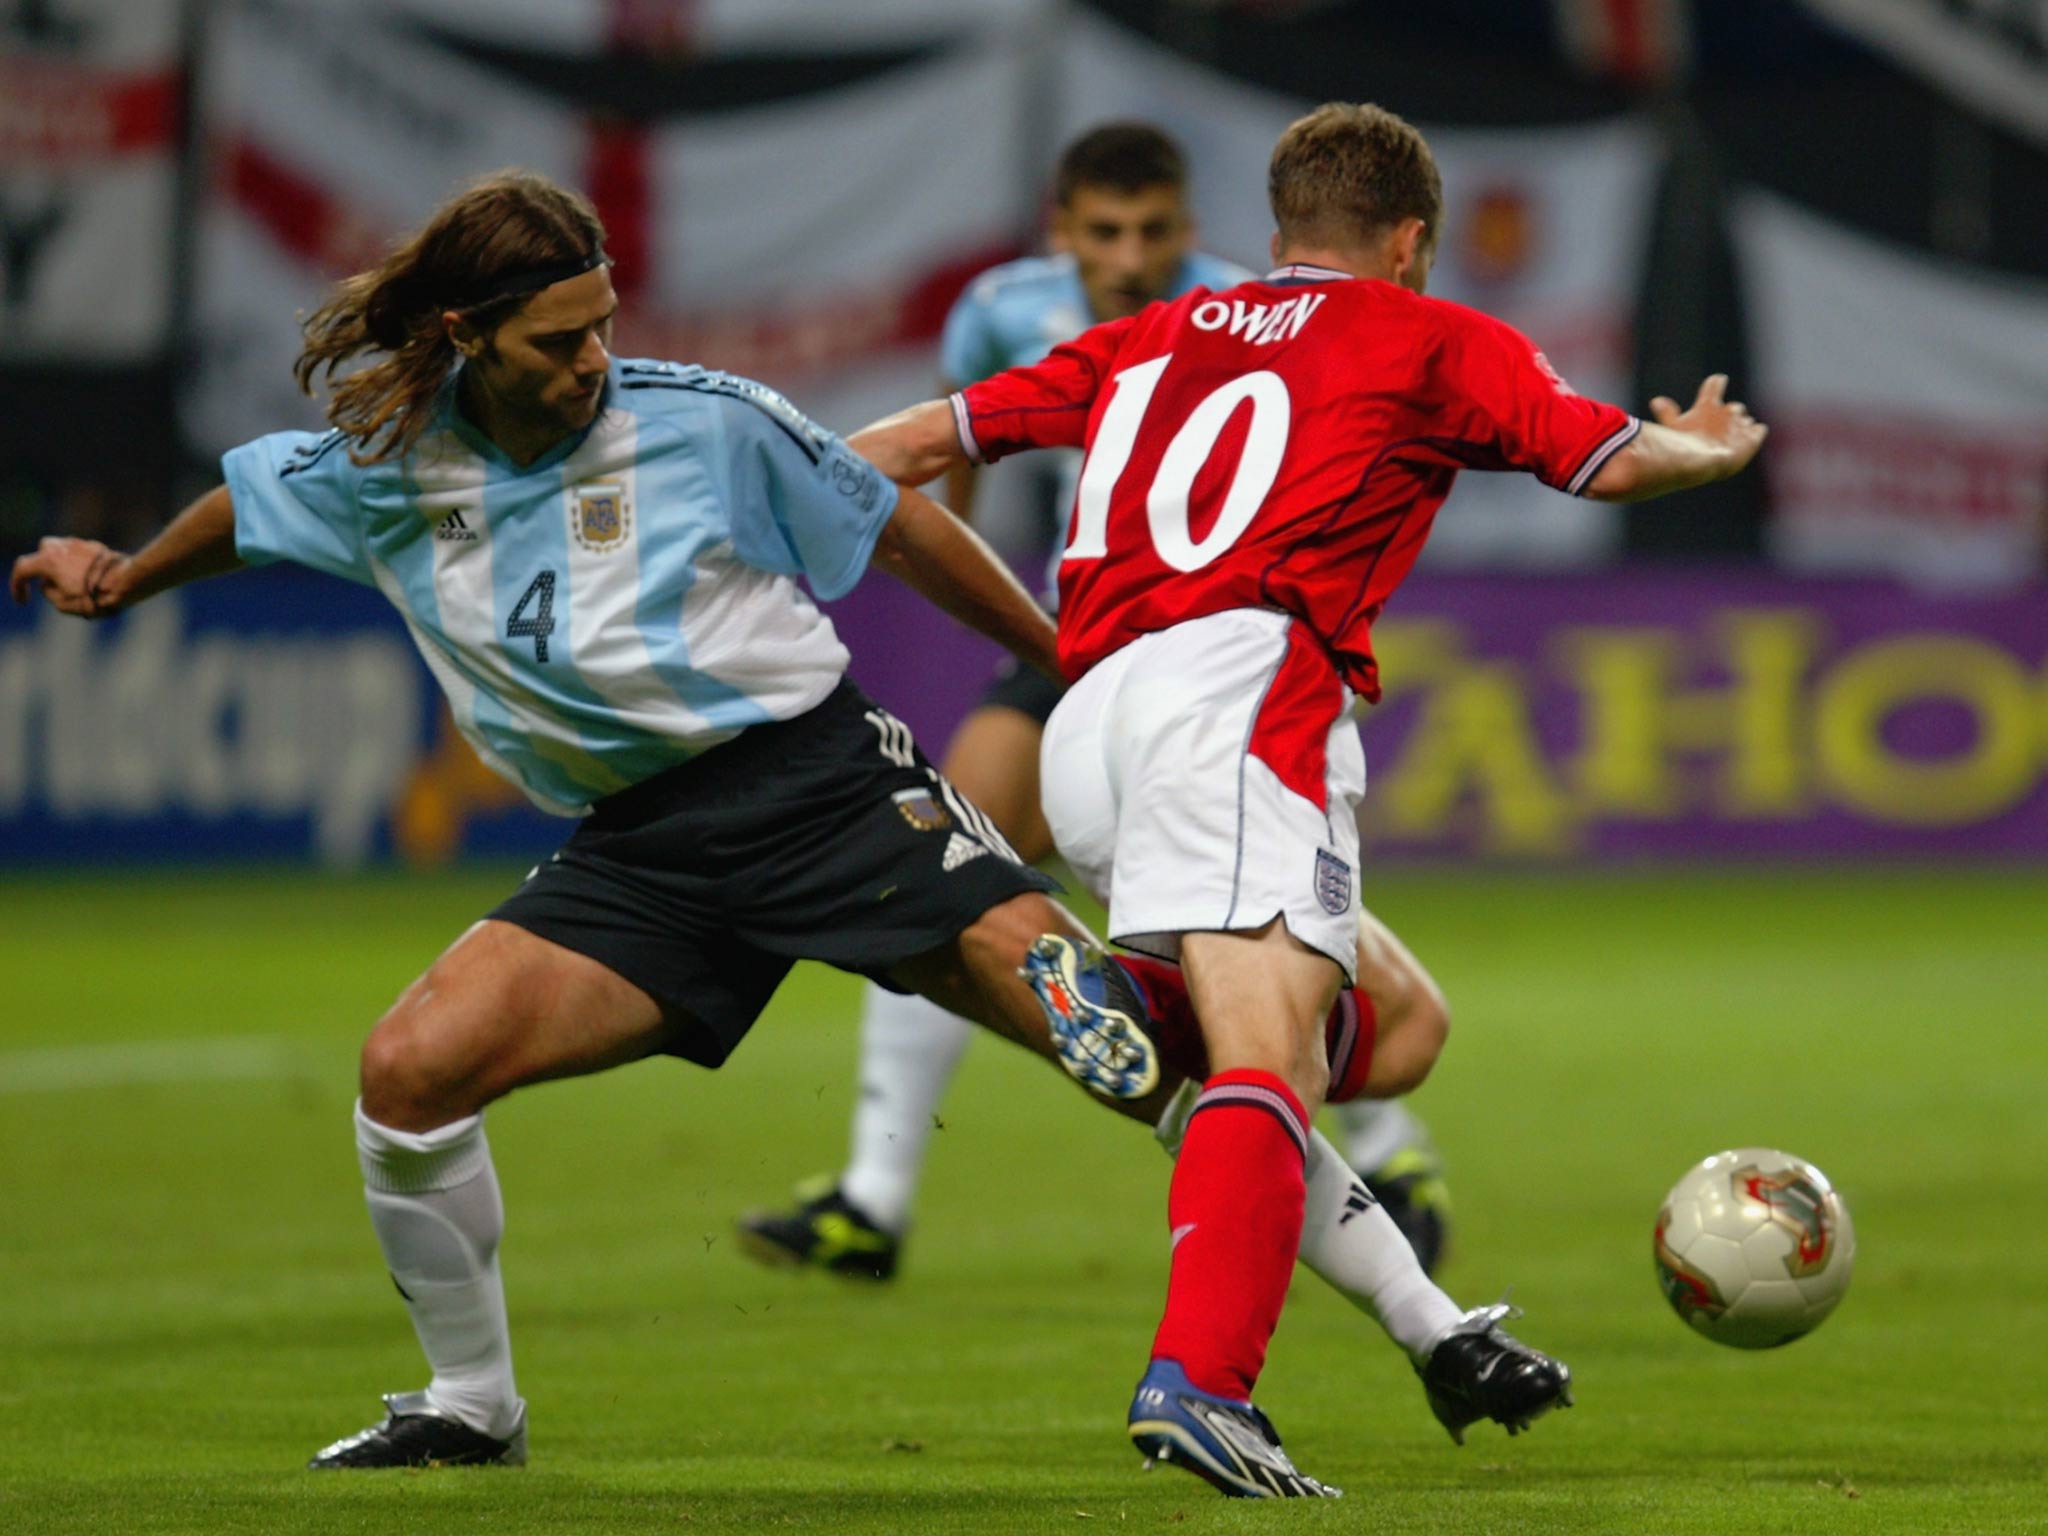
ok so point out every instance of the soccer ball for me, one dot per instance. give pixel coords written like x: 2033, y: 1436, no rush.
x: 1754, y: 1248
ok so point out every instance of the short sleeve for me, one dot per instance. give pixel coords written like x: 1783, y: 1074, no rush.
x: 1514, y: 411
x: 967, y: 345
x: 802, y: 503
x: 1043, y: 405
x: 294, y: 495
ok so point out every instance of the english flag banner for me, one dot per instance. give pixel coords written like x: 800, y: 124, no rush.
x: 1907, y: 399
x: 813, y: 241
x: 92, y: 100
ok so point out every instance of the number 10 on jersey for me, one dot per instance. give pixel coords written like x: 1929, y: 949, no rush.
x: 1166, y: 503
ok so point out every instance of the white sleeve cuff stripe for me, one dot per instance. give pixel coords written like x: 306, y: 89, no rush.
x: 965, y: 429
x: 1600, y: 455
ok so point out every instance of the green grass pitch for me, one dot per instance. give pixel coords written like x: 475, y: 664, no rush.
x: 193, y: 1301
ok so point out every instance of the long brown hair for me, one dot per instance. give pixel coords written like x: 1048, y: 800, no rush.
x: 502, y: 224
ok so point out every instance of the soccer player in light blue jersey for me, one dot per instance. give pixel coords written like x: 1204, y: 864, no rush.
x: 1123, y: 237
x: 599, y: 560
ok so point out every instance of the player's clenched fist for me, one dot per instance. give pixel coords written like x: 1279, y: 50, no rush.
x: 71, y: 573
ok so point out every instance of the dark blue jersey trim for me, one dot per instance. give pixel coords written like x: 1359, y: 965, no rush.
x: 744, y: 393
x: 313, y: 453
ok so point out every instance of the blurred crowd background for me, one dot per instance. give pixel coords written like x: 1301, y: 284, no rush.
x: 1842, y: 203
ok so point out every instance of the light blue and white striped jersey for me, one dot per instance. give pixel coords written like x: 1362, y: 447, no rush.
x: 620, y: 604
x: 1014, y: 314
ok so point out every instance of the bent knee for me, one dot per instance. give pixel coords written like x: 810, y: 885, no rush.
x: 402, y: 1086
x: 1304, y: 1066
x: 415, y: 1075
x: 1409, y: 1045
x: 1432, y: 1023
x: 1310, y: 1079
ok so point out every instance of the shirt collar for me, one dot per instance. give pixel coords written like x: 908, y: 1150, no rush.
x: 451, y: 415
x: 1305, y: 272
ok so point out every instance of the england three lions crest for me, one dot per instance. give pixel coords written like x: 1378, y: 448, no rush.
x: 1333, y: 882
x: 600, y: 516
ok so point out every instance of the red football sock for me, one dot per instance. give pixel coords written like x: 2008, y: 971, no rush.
x: 1171, y: 1013
x: 1351, y: 1033
x: 1235, y: 1209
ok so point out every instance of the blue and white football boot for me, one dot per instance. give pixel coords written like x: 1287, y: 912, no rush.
x: 1229, y: 1444
x: 1097, y: 1016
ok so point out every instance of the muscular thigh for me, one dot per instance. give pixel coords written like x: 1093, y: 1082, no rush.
x: 499, y: 1009
x: 1413, y: 1020
x: 1388, y: 971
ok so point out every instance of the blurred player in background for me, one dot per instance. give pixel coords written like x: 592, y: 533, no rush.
x: 1123, y: 237
x: 1263, y: 466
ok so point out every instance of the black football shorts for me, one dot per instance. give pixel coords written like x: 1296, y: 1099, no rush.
x: 827, y: 837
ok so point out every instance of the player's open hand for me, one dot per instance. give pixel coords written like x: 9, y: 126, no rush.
x: 71, y: 573
x: 1724, y: 422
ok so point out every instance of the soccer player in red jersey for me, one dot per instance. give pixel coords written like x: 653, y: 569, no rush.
x: 1262, y: 467
x: 1124, y: 236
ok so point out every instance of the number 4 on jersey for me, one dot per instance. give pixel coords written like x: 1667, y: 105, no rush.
x: 1166, y: 504
x: 537, y: 629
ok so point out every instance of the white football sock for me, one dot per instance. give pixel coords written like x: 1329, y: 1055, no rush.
x: 434, y: 1202
x: 1350, y: 1243
x: 1354, y: 1245
x: 909, y: 1050
x: 1375, y: 1129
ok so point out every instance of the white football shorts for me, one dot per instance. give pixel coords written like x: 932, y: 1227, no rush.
x: 1207, y: 777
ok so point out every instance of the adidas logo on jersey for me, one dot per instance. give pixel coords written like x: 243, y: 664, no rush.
x: 454, y: 530
x: 959, y: 850
x: 1258, y: 323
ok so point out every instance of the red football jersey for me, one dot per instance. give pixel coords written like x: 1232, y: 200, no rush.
x: 1281, y: 444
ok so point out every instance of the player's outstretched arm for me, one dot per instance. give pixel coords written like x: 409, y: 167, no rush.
x: 913, y: 446
x: 1714, y: 439
x: 84, y: 577
x: 932, y: 551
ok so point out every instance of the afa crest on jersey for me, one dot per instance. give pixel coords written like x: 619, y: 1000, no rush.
x: 600, y: 516
x: 917, y: 807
